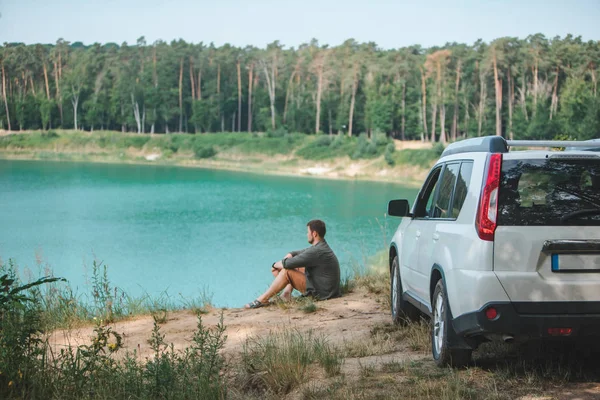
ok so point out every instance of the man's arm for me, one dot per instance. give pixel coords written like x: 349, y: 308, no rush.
x: 294, y: 253
x: 303, y: 259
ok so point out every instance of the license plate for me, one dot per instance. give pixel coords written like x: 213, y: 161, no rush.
x: 575, y: 262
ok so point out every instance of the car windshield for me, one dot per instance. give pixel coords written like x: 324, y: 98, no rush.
x: 554, y: 191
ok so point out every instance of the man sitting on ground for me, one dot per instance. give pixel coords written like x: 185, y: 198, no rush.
x: 314, y: 271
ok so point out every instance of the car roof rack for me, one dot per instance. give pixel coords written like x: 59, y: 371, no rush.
x: 485, y: 144
x: 497, y: 144
x: 567, y: 144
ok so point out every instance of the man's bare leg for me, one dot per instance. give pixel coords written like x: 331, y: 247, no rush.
x: 280, y: 283
x: 286, y: 294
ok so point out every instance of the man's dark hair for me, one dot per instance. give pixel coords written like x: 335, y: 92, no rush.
x: 316, y: 225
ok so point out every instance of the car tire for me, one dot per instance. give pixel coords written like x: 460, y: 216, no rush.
x: 402, y: 311
x: 441, y: 325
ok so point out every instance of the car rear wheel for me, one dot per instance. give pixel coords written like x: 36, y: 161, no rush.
x: 402, y: 311
x: 443, y: 353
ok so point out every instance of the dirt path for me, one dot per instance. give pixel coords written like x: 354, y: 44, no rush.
x: 341, y: 320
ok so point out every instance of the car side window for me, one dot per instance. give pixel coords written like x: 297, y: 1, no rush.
x: 441, y: 208
x: 462, y: 188
x: 427, y: 193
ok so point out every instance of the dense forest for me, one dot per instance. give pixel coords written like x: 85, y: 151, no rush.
x: 519, y: 88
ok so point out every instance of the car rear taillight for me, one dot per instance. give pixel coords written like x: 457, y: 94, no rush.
x: 491, y: 313
x: 560, y: 331
x: 488, y: 207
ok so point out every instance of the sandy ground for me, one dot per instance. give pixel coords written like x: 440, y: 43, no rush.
x: 349, y: 319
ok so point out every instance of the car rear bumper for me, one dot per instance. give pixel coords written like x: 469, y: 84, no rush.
x: 532, y: 319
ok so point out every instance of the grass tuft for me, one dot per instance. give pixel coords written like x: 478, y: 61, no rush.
x: 280, y: 361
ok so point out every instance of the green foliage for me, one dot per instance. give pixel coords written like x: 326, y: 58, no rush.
x: 389, y: 154
x: 277, y: 133
x: 364, y: 148
x: 204, y: 151
x: 30, y: 368
x: 135, y: 88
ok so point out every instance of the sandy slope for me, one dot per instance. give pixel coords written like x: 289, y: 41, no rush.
x: 347, y: 319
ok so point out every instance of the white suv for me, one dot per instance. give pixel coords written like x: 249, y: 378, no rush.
x: 502, y: 245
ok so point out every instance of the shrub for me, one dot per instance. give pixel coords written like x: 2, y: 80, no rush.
x: 389, y: 154
x: 29, y: 368
x: 133, y: 141
x: 364, y: 148
x: 380, y: 138
x: 203, y: 150
x: 50, y: 134
x: 277, y: 133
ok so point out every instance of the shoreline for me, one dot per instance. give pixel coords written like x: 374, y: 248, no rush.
x: 288, y: 165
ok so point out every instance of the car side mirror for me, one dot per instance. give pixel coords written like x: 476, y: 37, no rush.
x: 399, y: 208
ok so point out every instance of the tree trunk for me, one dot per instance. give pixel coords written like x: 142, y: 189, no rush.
x: 482, y: 98
x: 4, y: 95
x: 455, y: 116
x: 199, y: 91
x: 218, y: 78
x: 75, y: 102
x: 271, y: 89
x: 440, y: 100
x: 511, y: 99
x: 250, y: 80
x: 467, y: 116
x: 287, y: 96
x: 554, y: 103
x: 403, y: 105
x: 353, y: 99
x: 46, y: 80
x: 136, y: 113
x: 58, y: 95
x: 239, y: 111
x: 522, y: 97
x: 433, y: 119
x: 192, y: 84
x: 319, y: 91
x: 181, y: 94
x: 421, y: 120
x: 535, y: 87
x: 32, y: 85
x: 498, y: 90
x: 593, y: 73
x: 424, y: 96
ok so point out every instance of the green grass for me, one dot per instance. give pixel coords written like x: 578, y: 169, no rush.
x: 50, y: 144
x: 280, y: 362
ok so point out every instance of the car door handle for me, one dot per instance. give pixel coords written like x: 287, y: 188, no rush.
x: 436, y: 236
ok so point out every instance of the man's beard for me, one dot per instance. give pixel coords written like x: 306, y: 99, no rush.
x: 311, y: 240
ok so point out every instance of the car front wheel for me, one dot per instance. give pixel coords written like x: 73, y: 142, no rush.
x: 402, y: 311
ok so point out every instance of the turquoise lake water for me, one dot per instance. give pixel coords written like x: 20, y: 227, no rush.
x: 177, y: 232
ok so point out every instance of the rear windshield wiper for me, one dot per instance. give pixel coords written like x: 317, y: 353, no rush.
x: 580, y: 213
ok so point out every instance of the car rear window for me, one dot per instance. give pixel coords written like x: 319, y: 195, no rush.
x: 554, y: 191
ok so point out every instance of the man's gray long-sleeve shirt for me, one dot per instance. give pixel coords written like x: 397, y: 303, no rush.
x: 322, y: 270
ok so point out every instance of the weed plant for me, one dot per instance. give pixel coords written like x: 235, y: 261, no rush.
x: 30, y: 368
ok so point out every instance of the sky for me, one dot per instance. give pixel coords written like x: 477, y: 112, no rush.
x: 390, y: 24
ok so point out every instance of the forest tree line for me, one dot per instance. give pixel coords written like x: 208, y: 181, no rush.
x: 530, y: 88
